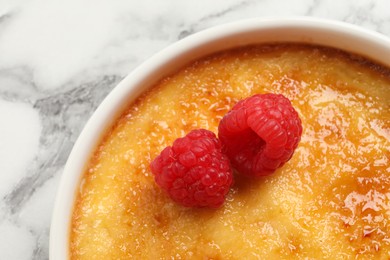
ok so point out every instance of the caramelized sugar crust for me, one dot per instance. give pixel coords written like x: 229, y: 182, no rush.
x: 331, y: 200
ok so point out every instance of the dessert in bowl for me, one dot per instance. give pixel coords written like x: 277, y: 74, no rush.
x: 330, y: 200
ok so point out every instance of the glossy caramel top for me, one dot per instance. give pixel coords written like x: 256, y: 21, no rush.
x: 331, y: 200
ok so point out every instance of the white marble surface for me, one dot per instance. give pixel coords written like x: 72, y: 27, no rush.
x: 59, y: 59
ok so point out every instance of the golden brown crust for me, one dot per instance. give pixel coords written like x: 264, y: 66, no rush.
x: 332, y: 199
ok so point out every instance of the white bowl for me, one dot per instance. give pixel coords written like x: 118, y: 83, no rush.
x: 339, y: 35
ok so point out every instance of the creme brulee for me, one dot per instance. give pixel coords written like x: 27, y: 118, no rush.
x: 331, y: 200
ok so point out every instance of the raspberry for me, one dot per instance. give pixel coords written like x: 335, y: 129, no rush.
x: 194, y: 171
x: 260, y: 134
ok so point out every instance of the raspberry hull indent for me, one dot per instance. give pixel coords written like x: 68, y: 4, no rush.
x: 260, y: 133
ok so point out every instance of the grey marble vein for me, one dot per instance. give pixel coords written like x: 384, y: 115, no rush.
x: 63, y: 86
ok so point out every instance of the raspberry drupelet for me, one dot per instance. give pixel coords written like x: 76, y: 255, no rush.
x: 260, y: 134
x: 194, y: 171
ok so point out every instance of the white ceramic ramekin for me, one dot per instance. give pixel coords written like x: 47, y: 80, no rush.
x: 343, y: 36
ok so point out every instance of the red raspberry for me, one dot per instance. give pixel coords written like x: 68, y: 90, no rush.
x: 194, y: 171
x: 260, y: 134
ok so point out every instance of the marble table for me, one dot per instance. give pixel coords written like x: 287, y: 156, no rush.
x: 59, y: 59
